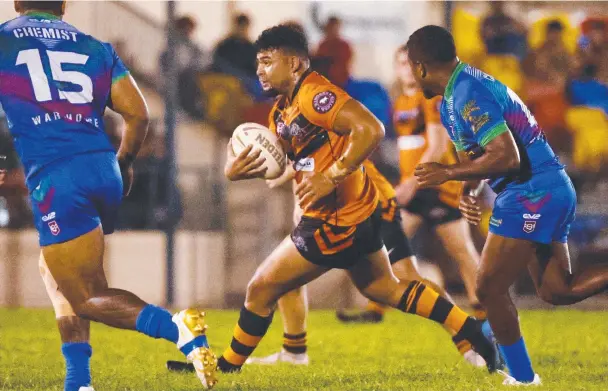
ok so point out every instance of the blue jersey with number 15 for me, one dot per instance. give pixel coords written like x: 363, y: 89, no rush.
x: 55, y: 84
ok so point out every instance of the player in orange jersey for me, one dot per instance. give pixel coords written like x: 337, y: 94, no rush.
x: 327, y: 136
x: 294, y: 305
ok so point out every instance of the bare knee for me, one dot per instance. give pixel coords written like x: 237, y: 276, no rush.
x: 261, y: 295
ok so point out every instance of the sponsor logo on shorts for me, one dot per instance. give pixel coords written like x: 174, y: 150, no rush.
x: 300, y: 243
x: 307, y: 164
x: 324, y: 101
x: 438, y: 213
x: 54, y: 227
x: 495, y: 222
x: 529, y: 226
x: 50, y: 216
x: 529, y: 216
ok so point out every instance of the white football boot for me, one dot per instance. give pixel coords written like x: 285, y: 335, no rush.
x: 282, y: 356
x: 193, y: 343
x: 474, y: 359
x: 511, y: 381
x: 88, y: 388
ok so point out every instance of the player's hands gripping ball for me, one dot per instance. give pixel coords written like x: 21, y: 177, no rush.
x: 312, y: 188
x: 431, y: 174
x: 246, y: 165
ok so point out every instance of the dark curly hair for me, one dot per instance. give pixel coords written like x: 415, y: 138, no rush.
x: 287, y: 37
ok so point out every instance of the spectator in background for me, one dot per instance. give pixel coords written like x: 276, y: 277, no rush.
x: 236, y: 52
x: 593, y: 52
x: 501, y: 33
x: 547, y: 70
x: 188, y: 55
x: 588, y: 90
x: 337, y: 51
x: 551, y: 62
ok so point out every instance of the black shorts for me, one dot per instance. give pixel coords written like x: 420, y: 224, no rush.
x: 397, y: 244
x: 336, y: 247
x: 427, y: 204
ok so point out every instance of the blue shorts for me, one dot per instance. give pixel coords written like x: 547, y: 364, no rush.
x: 75, y: 195
x: 540, y: 210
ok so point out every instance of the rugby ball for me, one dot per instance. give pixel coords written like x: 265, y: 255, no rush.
x: 262, y: 139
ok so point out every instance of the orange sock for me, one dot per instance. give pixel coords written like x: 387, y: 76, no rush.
x: 248, y: 332
x: 423, y: 301
x: 295, y: 343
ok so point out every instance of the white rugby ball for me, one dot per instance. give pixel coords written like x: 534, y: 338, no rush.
x: 262, y: 139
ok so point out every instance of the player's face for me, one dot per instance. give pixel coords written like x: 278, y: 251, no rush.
x: 423, y: 80
x: 274, y: 70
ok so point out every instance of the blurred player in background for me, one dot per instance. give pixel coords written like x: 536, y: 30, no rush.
x: 328, y: 136
x: 421, y: 139
x: 498, y: 138
x: 55, y: 84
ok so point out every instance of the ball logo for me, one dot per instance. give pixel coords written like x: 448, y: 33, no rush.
x: 274, y: 151
x: 54, y: 227
x: 324, y: 101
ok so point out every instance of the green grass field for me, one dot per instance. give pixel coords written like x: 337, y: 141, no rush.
x: 569, y: 350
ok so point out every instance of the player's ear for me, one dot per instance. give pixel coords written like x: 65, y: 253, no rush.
x: 295, y: 64
x: 421, y: 69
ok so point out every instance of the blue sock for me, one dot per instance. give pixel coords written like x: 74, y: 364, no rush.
x: 518, y: 361
x: 78, y: 372
x: 156, y: 322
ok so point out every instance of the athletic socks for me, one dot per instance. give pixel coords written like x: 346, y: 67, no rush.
x: 423, y: 301
x: 294, y: 343
x: 247, y: 335
x: 518, y: 361
x: 78, y: 371
x: 156, y: 322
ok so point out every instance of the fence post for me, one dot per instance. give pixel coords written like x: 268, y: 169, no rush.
x: 170, y: 88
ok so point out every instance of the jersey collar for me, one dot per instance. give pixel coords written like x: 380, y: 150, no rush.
x: 299, y: 84
x: 40, y: 14
x: 450, y: 87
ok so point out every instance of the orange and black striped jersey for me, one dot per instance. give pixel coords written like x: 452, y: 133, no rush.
x: 411, y: 115
x: 305, y: 125
x: 386, y: 191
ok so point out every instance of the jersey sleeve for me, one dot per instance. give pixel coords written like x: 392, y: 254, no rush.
x: 431, y: 109
x: 118, y: 68
x: 320, y: 103
x: 480, y: 112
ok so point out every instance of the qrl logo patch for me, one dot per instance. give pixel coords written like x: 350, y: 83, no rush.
x: 529, y: 226
x: 54, y: 227
x: 324, y: 101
